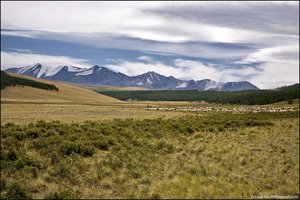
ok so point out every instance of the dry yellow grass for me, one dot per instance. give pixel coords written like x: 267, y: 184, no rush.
x: 23, y: 113
x: 71, y: 103
x: 66, y: 93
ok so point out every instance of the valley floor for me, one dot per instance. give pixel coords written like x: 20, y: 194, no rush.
x: 146, y: 153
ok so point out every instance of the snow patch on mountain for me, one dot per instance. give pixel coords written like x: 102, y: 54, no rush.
x: 75, y: 69
x: 22, y: 70
x: 148, y: 81
x: 182, y: 85
x: 85, y: 72
x: 42, y: 71
x: 52, y: 70
x: 107, y: 77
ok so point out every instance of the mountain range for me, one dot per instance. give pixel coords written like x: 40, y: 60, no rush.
x: 103, y: 76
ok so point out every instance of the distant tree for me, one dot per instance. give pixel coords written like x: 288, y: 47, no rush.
x: 8, y: 80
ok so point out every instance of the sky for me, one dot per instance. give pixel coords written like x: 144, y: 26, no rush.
x: 224, y: 41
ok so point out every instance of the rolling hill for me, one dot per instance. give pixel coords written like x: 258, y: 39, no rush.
x: 7, y: 80
x: 65, y: 94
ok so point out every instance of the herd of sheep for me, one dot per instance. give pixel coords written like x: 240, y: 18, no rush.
x: 254, y: 109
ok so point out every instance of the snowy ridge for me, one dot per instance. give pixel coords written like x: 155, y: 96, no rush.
x: 75, y: 69
x: 182, y: 85
x: 102, y: 76
x: 52, y: 70
x: 22, y: 70
x: 85, y: 72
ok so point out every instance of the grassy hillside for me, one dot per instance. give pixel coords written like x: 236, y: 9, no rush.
x: 212, y: 156
x: 8, y: 80
x: 237, y: 97
x: 66, y: 93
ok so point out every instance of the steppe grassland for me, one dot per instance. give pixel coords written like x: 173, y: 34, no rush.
x: 23, y: 113
x: 143, y: 154
x: 216, y: 155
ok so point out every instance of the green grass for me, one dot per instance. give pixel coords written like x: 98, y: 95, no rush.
x: 209, y: 156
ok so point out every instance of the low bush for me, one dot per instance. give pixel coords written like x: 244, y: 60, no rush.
x: 186, y: 157
x: 16, y: 190
x: 67, y: 148
x: 62, y: 194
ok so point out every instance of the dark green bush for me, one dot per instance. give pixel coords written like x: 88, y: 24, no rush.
x: 28, y: 161
x: 3, y: 184
x: 67, y: 148
x: 18, y: 190
x: 102, y: 144
x: 61, y: 170
x: 12, y: 155
x: 62, y: 194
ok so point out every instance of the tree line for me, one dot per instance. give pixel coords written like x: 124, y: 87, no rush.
x: 249, y: 97
x: 7, y: 80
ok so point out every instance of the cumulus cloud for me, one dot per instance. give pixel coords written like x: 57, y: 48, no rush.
x: 15, y: 59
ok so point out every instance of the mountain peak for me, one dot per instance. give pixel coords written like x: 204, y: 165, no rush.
x: 103, y: 76
x: 36, y: 65
x: 96, y: 67
x: 151, y: 72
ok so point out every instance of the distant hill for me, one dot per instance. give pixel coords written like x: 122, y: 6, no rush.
x: 66, y: 93
x: 250, y: 97
x: 102, y: 76
x: 7, y: 80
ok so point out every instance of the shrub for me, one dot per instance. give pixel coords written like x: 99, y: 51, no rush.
x: 62, y: 194
x: 28, y: 161
x: 190, y: 130
x: 67, y: 148
x: 61, y: 170
x: 12, y: 155
x: 102, y: 144
x: 17, y: 190
x: 2, y: 184
x: 32, y: 133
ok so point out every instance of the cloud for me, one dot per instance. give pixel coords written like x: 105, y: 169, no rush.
x: 15, y: 59
x: 272, y: 17
x: 276, y: 75
x: 183, y: 69
x: 159, y: 21
x: 281, y: 54
x: 268, y: 75
x: 146, y: 59
x: 216, y: 40
x: 192, y: 49
x: 28, y: 34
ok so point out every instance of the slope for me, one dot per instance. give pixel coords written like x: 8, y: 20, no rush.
x: 66, y: 93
